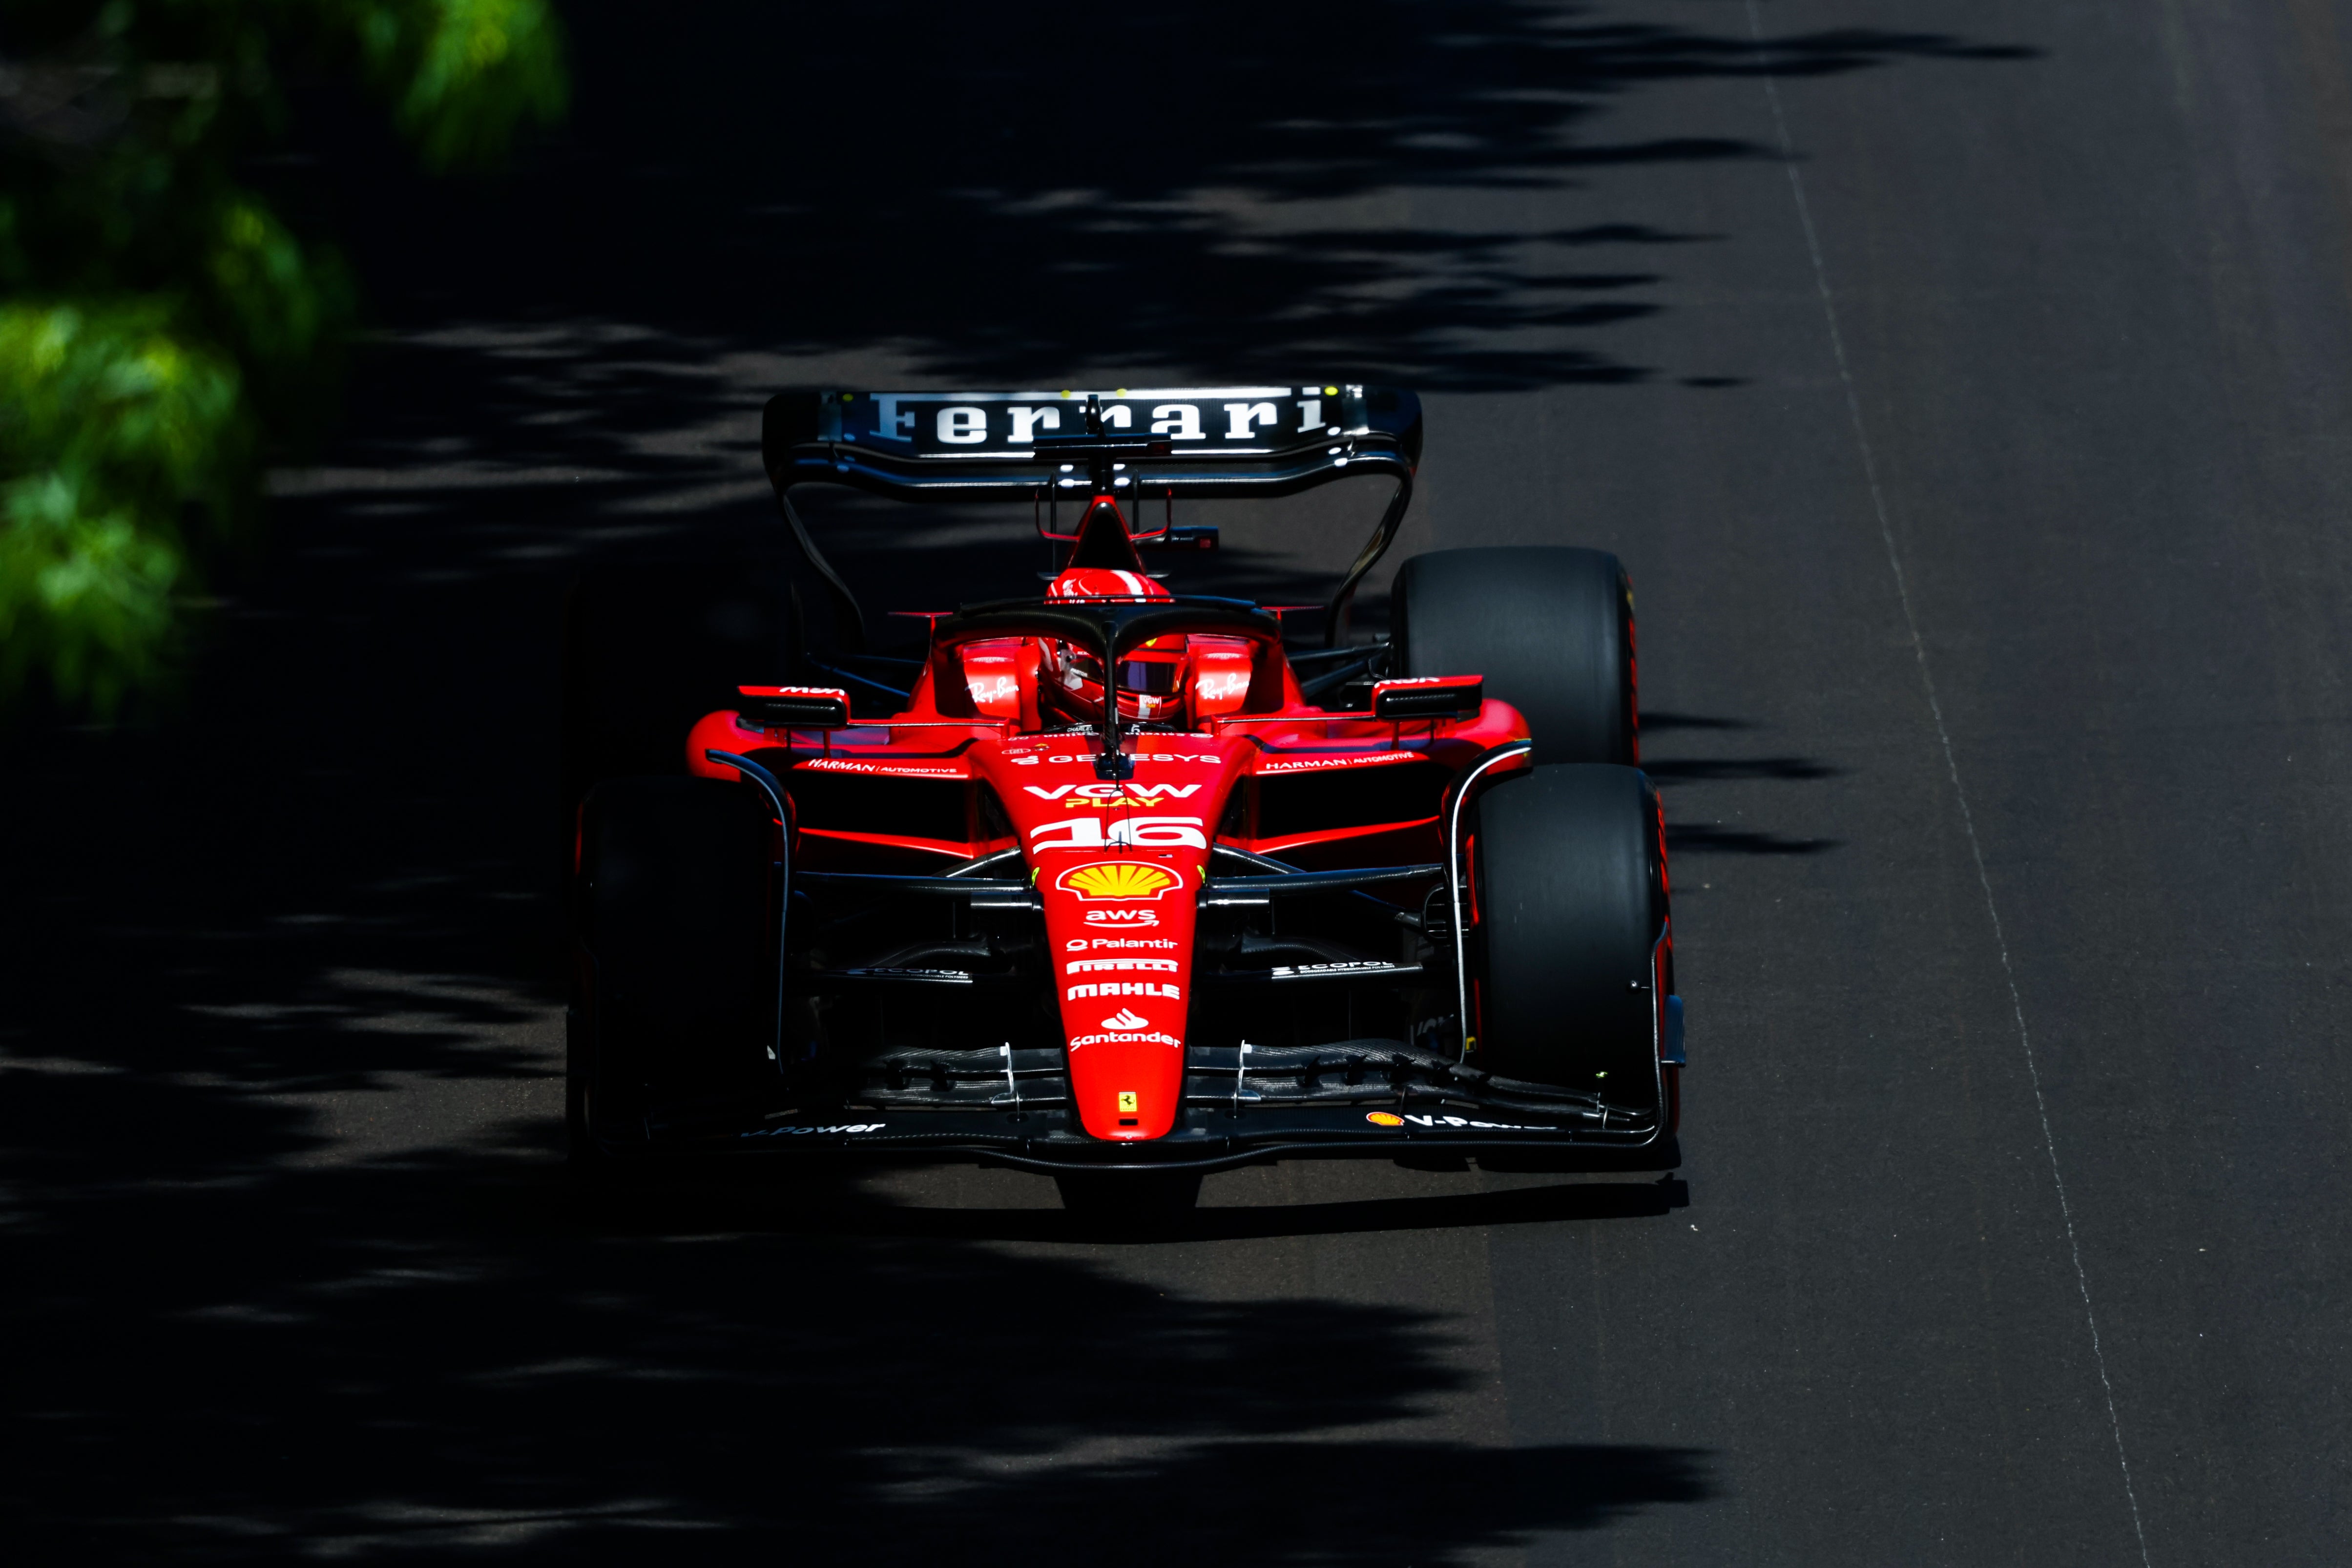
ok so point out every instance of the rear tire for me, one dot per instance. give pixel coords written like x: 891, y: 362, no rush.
x: 1550, y: 628
x: 675, y: 954
x: 1571, y: 900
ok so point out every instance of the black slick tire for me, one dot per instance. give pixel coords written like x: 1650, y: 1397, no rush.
x: 1571, y: 897
x: 1550, y: 626
x: 672, y: 938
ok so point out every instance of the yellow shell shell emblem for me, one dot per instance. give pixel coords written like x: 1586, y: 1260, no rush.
x: 1119, y: 880
x: 1383, y: 1119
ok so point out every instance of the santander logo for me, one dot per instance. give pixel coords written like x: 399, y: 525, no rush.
x: 1124, y: 1021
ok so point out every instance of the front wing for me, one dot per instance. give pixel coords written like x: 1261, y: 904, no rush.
x: 1232, y: 1116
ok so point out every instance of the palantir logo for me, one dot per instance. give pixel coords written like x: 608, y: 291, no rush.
x: 1125, y: 1020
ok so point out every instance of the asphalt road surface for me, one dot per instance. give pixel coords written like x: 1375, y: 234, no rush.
x: 1967, y: 386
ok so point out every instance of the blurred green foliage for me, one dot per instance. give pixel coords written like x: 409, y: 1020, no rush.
x: 159, y: 322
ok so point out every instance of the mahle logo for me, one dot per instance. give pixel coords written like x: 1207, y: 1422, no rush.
x: 1118, y: 879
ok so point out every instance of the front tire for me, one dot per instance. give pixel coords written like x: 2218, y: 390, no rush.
x: 1550, y: 628
x: 675, y: 977
x: 1572, y: 902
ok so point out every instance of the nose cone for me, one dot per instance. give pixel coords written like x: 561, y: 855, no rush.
x: 1117, y: 865
x: 1119, y: 921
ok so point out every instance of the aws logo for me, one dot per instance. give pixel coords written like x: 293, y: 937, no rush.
x: 1118, y: 880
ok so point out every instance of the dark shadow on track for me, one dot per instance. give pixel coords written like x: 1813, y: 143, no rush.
x: 1673, y: 774
x: 440, y: 1358
x: 1002, y: 196
x: 746, y: 1199
x: 1654, y: 723
x: 1708, y: 770
x: 1689, y: 840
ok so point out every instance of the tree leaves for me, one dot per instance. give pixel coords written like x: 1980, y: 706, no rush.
x: 160, y: 321
x: 112, y: 428
x: 474, y: 72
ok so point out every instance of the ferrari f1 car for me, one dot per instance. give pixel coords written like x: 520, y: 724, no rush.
x: 1111, y: 881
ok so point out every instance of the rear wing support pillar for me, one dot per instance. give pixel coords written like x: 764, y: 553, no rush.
x: 848, y: 620
x: 1335, y: 616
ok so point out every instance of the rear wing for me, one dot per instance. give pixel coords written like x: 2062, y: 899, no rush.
x: 1196, y: 443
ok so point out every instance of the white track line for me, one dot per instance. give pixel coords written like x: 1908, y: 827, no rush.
x: 1944, y: 737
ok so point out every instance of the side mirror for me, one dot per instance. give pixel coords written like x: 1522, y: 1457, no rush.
x: 795, y: 707
x: 1429, y: 697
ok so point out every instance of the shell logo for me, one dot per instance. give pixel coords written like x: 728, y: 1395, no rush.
x: 1383, y: 1119
x: 1118, y: 879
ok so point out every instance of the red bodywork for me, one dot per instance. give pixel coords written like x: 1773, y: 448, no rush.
x: 1117, y: 863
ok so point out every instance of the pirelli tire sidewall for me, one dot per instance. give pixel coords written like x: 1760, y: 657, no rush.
x: 1570, y: 901
x: 676, y: 988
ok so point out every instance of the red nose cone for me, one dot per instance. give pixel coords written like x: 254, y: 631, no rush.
x: 1119, y: 924
x: 1119, y: 865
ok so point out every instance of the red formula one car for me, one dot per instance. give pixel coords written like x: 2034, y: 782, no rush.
x: 1111, y: 882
